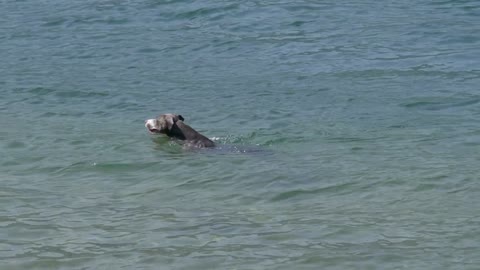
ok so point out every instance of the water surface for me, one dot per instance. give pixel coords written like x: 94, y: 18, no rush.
x: 364, y: 114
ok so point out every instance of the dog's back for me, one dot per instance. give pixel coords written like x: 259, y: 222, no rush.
x: 192, y: 136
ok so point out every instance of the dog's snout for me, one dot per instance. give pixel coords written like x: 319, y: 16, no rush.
x: 152, y: 126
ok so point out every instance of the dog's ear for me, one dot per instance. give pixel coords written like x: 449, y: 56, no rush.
x: 170, y: 121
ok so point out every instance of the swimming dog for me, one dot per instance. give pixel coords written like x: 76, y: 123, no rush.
x: 173, y: 126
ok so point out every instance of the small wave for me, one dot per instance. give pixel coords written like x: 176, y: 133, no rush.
x: 301, y: 192
x: 204, y: 11
x: 435, y: 105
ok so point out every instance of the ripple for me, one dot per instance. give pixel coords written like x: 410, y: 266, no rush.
x: 206, y: 12
x: 435, y: 104
x: 294, y: 193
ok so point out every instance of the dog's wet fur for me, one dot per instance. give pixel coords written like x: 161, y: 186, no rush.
x: 173, y: 126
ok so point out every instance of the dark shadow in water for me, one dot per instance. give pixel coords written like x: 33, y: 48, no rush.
x: 435, y: 105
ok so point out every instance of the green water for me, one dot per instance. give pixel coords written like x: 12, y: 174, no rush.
x: 348, y: 135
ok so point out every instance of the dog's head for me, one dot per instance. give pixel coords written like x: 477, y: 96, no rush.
x: 163, y: 124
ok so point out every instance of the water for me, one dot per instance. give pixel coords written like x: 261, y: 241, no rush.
x: 359, y: 121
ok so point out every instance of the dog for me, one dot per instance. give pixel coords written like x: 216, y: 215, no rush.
x: 173, y: 126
